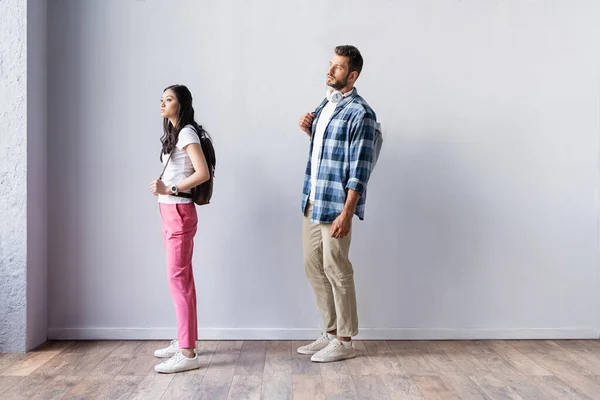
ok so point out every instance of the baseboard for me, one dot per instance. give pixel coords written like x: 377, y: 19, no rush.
x: 306, y: 334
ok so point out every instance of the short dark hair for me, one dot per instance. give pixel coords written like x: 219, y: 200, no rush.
x: 355, y: 62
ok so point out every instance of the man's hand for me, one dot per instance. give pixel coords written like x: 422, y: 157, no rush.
x: 341, y: 225
x: 306, y: 122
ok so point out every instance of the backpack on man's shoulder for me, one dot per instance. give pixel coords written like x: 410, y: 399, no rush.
x: 378, y: 143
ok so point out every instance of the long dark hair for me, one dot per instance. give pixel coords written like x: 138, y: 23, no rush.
x: 185, y: 117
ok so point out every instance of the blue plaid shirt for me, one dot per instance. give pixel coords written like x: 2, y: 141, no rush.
x: 347, y: 158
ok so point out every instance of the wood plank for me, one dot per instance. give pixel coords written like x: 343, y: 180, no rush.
x: 308, y: 387
x: 518, y: 360
x: 30, y: 363
x: 589, y: 356
x: 225, y: 358
x: 466, y: 362
x: 129, y: 346
x: 464, y: 387
x: 411, y: 358
x: 339, y: 386
x: 111, y: 365
x: 27, y: 387
x: 547, y: 351
x: 120, y: 387
x: 455, y: 375
x: 184, y: 385
x: 433, y: 387
x: 7, y: 382
x: 8, y: 360
x: 558, y: 388
x: 566, y: 371
x: 526, y: 388
x: 53, y: 345
x: 401, y: 387
x: 71, y: 364
x: 207, y: 347
x: 495, y: 363
x: 139, y: 364
x: 383, y: 358
x: 252, y: 358
x: 89, y: 387
x: 505, y: 372
x: 495, y: 388
x: 278, y: 359
x: 370, y: 387
x: 58, y: 387
x: 439, y: 361
x: 92, y: 346
x: 216, y: 384
x: 245, y: 387
x: 152, y: 387
x: 277, y: 386
x: 277, y: 379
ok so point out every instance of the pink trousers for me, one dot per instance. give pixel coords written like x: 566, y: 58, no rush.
x: 180, y: 223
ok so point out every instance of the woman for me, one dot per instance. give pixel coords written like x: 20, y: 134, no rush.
x: 184, y: 168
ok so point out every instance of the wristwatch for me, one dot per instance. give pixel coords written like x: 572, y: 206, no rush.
x: 174, y: 190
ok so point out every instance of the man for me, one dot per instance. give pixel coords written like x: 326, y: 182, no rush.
x: 342, y: 154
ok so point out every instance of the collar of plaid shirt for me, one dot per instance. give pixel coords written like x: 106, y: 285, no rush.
x: 345, y: 170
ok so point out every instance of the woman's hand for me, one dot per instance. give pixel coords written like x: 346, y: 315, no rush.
x: 158, y: 187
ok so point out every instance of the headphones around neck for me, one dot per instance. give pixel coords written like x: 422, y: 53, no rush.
x: 334, y: 96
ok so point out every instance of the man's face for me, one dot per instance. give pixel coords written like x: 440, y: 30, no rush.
x: 337, y: 76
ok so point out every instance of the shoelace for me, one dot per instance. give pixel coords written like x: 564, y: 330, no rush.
x: 331, y: 346
x: 176, y: 358
x: 319, y: 341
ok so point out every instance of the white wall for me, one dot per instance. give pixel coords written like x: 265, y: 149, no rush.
x: 23, y: 259
x: 37, y: 305
x: 13, y: 174
x: 482, y: 218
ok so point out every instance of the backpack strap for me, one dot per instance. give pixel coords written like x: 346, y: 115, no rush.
x: 165, y: 168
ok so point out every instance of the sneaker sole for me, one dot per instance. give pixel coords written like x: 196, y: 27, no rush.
x: 179, y: 370
x: 308, y: 352
x: 164, y: 355
x: 325, y: 360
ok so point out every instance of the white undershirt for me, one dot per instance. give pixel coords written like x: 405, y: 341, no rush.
x: 315, y: 161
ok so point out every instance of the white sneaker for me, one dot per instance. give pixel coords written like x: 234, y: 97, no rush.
x: 168, y: 351
x: 178, y: 363
x: 315, y: 346
x: 335, y: 351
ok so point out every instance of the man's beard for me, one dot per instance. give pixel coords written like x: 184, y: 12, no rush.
x: 339, y: 84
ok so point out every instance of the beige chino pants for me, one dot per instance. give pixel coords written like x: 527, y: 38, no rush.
x: 330, y: 273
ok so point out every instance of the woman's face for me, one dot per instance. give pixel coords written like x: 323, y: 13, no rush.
x: 169, y: 106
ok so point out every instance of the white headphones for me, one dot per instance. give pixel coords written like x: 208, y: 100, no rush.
x: 334, y: 96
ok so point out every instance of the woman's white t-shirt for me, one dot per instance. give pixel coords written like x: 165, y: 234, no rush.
x: 180, y: 166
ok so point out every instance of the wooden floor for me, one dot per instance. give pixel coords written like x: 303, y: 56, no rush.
x: 273, y: 370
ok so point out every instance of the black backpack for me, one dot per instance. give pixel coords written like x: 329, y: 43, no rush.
x: 202, y: 193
